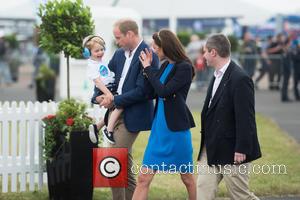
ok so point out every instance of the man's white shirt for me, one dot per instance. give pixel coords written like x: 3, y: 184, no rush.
x: 218, y: 77
x: 126, y: 67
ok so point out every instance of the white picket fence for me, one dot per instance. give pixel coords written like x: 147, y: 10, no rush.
x: 21, y: 139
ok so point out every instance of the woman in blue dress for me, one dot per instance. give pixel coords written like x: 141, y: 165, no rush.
x: 169, y: 147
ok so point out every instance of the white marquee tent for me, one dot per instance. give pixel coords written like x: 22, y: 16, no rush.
x: 17, y: 9
x: 171, y: 9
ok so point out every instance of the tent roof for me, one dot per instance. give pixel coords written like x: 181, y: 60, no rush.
x: 249, y: 14
x: 20, y: 9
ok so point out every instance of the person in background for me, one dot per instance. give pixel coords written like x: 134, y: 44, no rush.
x: 193, y: 51
x: 296, y: 67
x: 286, y: 68
x: 5, y: 74
x: 264, y: 61
x: 201, y: 69
x: 249, y: 51
x: 275, y: 51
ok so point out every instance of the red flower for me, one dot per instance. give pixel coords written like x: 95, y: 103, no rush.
x: 49, y: 117
x: 70, y: 121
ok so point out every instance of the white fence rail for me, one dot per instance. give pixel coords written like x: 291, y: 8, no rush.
x: 21, y: 138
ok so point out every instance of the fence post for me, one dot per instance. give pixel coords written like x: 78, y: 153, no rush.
x: 22, y: 135
x: 5, y: 146
x: 13, y: 147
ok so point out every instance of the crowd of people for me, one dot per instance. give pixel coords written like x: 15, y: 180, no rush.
x: 277, y: 56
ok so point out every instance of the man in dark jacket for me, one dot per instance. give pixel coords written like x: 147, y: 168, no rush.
x: 228, y: 128
x: 138, y: 110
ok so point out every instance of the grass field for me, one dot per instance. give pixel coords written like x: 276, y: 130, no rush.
x: 277, y: 149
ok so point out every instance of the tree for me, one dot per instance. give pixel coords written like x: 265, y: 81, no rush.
x: 234, y: 43
x: 64, y: 25
x: 12, y: 41
x: 184, y: 37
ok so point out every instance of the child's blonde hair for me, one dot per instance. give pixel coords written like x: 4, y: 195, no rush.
x: 91, y: 40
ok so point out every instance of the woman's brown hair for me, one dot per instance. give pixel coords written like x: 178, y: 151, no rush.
x: 171, y: 46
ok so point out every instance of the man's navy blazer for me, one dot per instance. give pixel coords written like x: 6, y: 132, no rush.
x: 138, y: 110
x: 228, y: 124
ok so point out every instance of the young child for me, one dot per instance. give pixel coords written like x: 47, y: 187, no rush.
x: 103, y: 78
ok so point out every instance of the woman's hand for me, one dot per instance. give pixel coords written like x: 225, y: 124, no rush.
x: 146, y: 58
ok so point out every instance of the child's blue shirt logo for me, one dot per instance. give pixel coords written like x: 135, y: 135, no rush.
x: 103, y: 71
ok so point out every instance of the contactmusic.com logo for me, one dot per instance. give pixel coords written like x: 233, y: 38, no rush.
x: 110, y: 167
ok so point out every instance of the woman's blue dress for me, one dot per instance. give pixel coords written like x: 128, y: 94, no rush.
x: 167, y: 150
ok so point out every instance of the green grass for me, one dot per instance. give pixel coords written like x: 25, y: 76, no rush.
x: 277, y: 148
